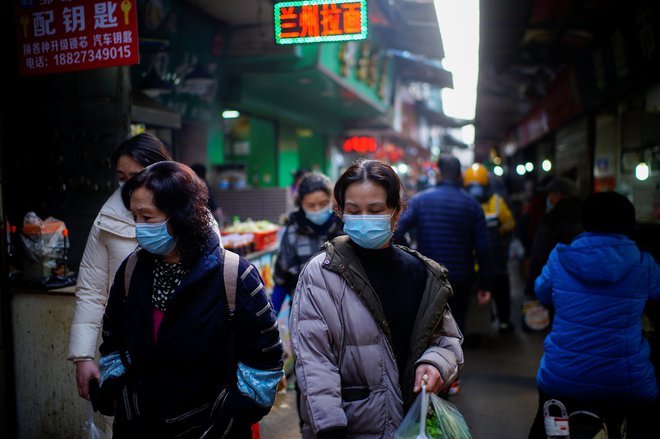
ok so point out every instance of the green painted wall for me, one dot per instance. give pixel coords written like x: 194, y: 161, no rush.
x: 288, y: 154
x: 263, y: 157
x: 311, y: 150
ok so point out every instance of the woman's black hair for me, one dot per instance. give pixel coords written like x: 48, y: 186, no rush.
x: 144, y: 148
x: 182, y: 195
x: 608, y: 212
x: 374, y: 171
x: 312, y: 182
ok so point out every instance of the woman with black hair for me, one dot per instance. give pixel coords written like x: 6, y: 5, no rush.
x: 370, y: 321
x: 307, y: 228
x: 202, y: 357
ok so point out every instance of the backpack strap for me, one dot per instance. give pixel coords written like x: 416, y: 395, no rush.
x: 230, y: 276
x: 128, y: 273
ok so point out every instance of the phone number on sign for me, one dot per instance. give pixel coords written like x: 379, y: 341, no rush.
x: 89, y: 56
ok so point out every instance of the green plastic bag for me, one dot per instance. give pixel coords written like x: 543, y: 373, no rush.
x: 443, y: 420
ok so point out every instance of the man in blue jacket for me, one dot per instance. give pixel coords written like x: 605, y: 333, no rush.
x: 451, y: 229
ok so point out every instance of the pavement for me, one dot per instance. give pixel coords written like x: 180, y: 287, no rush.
x: 498, y: 396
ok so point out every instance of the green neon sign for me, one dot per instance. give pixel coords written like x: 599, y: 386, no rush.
x: 318, y: 21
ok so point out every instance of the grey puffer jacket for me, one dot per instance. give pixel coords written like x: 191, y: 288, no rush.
x: 345, y: 365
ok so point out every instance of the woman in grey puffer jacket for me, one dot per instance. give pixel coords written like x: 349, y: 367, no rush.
x: 370, y: 321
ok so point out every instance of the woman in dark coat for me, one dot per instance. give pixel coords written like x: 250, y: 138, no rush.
x: 195, y: 365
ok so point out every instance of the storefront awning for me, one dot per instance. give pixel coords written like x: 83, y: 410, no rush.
x: 416, y: 68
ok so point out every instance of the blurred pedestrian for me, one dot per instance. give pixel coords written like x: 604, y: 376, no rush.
x: 370, y: 321
x: 500, y: 224
x: 451, y: 229
x: 306, y: 229
x: 595, y: 357
x: 560, y: 224
x: 110, y: 240
x: 200, y: 360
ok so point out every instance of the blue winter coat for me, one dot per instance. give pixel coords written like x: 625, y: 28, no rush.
x: 451, y: 230
x: 598, y: 286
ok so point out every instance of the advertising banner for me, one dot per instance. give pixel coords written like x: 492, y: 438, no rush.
x: 66, y: 35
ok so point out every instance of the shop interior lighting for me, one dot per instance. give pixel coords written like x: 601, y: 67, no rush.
x: 546, y: 165
x: 520, y: 169
x: 230, y: 114
x: 498, y: 170
x: 529, y: 166
x: 642, y: 171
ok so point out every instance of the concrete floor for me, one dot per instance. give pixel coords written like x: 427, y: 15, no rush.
x: 498, y: 396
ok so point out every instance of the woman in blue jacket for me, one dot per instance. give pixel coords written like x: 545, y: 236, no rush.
x: 596, y: 358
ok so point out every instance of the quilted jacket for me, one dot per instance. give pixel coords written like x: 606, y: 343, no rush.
x: 598, y: 286
x: 345, y: 365
x: 110, y: 241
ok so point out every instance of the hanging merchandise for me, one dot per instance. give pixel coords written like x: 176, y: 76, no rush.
x: 45, y: 248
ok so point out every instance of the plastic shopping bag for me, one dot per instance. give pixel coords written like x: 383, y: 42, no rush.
x: 90, y: 427
x: 443, y: 420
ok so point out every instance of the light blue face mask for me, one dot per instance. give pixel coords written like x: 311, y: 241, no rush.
x: 368, y: 231
x: 477, y: 192
x: 154, y: 238
x: 319, y: 217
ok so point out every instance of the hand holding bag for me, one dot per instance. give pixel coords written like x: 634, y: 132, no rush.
x: 442, y: 420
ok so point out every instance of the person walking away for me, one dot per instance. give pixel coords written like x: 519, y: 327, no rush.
x: 200, y: 360
x: 500, y: 224
x: 595, y: 357
x: 111, y: 239
x: 559, y: 224
x: 451, y: 229
x: 370, y: 321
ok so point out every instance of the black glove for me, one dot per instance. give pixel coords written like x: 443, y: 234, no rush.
x: 104, y: 398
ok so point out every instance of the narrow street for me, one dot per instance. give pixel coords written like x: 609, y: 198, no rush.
x: 498, y: 397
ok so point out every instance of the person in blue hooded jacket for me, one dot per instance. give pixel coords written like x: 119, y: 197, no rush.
x: 596, y: 358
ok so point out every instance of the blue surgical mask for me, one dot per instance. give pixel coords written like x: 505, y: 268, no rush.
x: 368, y: 231
x: 319, y: 217
x: 477, y: 191
x: 154, y: 238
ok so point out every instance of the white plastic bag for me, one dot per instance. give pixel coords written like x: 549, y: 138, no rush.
x: 90, y: 426
x: 443, y: 420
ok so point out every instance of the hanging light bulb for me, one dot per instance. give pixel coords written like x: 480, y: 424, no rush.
x: 642, y: 171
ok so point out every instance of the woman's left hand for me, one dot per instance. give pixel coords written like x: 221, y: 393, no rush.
x: 425, y: 373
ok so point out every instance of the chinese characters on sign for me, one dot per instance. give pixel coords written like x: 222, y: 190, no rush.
x: 360, y: 144
x: 66, y: 35
x: 317, y: 21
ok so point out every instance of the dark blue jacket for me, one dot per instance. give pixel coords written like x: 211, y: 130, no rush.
x: 451, y: 230
x: 598, y: 286
x: 192, y: 368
